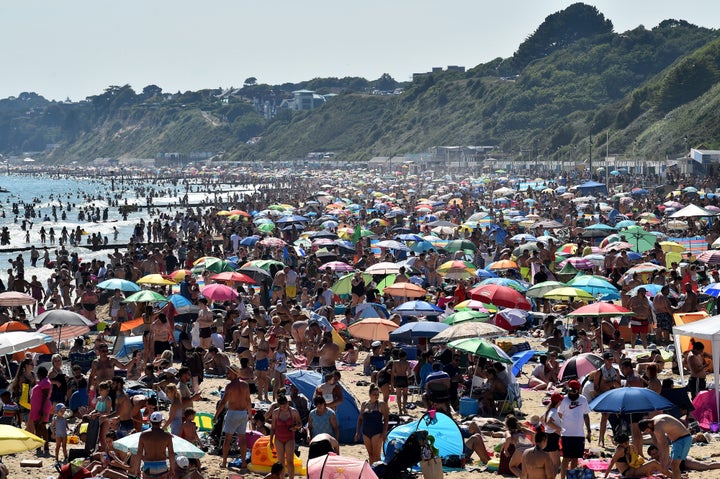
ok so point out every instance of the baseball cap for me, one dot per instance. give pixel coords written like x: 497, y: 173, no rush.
x: 376, y: 344
x: 59, y: 406
x: 156, y: 417
x: 556, y: 398
x: 574, y: 384
x: 182, y: 462
x: 608, y: 356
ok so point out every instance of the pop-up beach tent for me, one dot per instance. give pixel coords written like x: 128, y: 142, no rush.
x: 347, y: 413
x: 592, y: 187
x: 448, y: 438
x: 331, y: 466
x: 707, y: 329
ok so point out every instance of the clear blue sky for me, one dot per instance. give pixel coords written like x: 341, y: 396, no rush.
x: 76, y: 48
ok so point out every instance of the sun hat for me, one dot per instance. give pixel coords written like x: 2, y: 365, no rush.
x: 59, y: 407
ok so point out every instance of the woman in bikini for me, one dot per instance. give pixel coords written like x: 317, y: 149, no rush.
x: 148, y: 318
x: 285, y: 422
x: 279, y: 363
x: 373, y: 424
x: 628, y: 463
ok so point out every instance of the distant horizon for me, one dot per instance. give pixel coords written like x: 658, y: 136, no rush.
x: 70, y: 50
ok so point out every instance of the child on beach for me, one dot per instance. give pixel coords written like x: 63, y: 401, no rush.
x: 188, y: 430
x: 10, y: 409
x: 276, y: 471
x: 59, y: 425
x: 103, y: 403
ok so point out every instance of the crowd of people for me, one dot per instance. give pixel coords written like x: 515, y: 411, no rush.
x: 288, y: 313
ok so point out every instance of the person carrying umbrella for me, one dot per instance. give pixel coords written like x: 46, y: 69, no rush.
x: 155, y: 447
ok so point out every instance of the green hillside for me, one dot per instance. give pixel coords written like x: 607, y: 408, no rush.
x: 573, y: 79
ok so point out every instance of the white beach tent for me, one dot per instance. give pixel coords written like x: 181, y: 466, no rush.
x: 707, y: 329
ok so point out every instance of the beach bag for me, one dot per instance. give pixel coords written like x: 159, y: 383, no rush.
x: 580, y: 473
x: 432, y: 468
x: 24, y: 400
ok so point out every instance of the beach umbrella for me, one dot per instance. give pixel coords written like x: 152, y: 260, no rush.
x: 469, y: 329
x: 640, y: 239
x: 580, y: 366
x: 179, y: 274
x: 233, y: 276
x: 710, y: 257
x: 471, y: 304
x: 464, y: 245
x: 249, y: 240
x: 391, y: 244
x: 263, y: 264
x: 644, y: 268
x: 510, y: 283
x: 630, y: 400
x: 482, y: 348
x: 257, y: 274
x: 405, y: 290
x: 624, y: 224
x: 214, y: 265
x: 343, y: 285
x: 465, y: 316
x: 594, y: 285
x: 418, y: 308
x: 523, y: 237
x: 156, y: 279
x: 567, y: 293
x: 618, y: 246
x: 15, y: 298
x: 372, y: 329
x: 484, y: 274
x: 14, y: 440
x: 16, y: 341
x: 293, y: 219
x: 121, y: 284
x: 145, y: 296
x: 417, y: 329
x: 712, y: 290
x: 500, y: 296
x: 578, y: 262
x: 13, y: 326
x: 672, y: 247
x: 371, y: 310
x: 181, y: 447
x: 601, y: 309
x: 339, y: 467
x: 511, y: 318
x: 61, y: 333
x: 219, y: 292
x: 456, y: 269
x: 272, y: 242
x: 503, y: 264
x: 383, y: 268
x: 538, y: 290
x: 338, y: 266
x: 61, y: 317
x: 266, y: 227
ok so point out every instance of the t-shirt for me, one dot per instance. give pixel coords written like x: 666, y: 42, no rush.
x: 42, y: 388
x: 572, y: 413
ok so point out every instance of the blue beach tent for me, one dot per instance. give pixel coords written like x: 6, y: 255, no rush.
x: 347, y: 413
x: 448, y: 438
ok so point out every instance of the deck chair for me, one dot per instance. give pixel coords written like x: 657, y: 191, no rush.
x: 92, y: 434
x: 512, y: 401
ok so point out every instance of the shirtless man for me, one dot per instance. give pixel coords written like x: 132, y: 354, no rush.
x: 154, y: 449
x: 239, y: 409
x: 328, y: 353
x: 139, y: 402
x: 103, y: 367
x: 399, y: 378
x: 690, y: 304
x: 672, y: 439
x: 698, y: 369
x: 206, y: 321
x: 686, y: 465
x: 123, y: 408
x: 663, y: 315
x: 639, y: 324
x: 536, y: 463
x: 278, y: 285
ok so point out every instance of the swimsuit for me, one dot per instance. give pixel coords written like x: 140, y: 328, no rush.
x: 282, y: 429
x: 262, y: 364
x: 401, y: 381
x: 372, y: 423
x: 155, y: 468
x: 125, y: 427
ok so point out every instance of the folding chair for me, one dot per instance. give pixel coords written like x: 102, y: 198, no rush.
x: 511, y: 402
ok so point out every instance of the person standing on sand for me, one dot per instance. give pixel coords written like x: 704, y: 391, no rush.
x: 155, y: 450
x: 239, y: 408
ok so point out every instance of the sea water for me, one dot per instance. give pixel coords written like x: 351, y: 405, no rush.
x: 46, y: 191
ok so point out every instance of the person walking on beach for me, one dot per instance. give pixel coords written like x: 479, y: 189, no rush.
x: 236, y: 400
